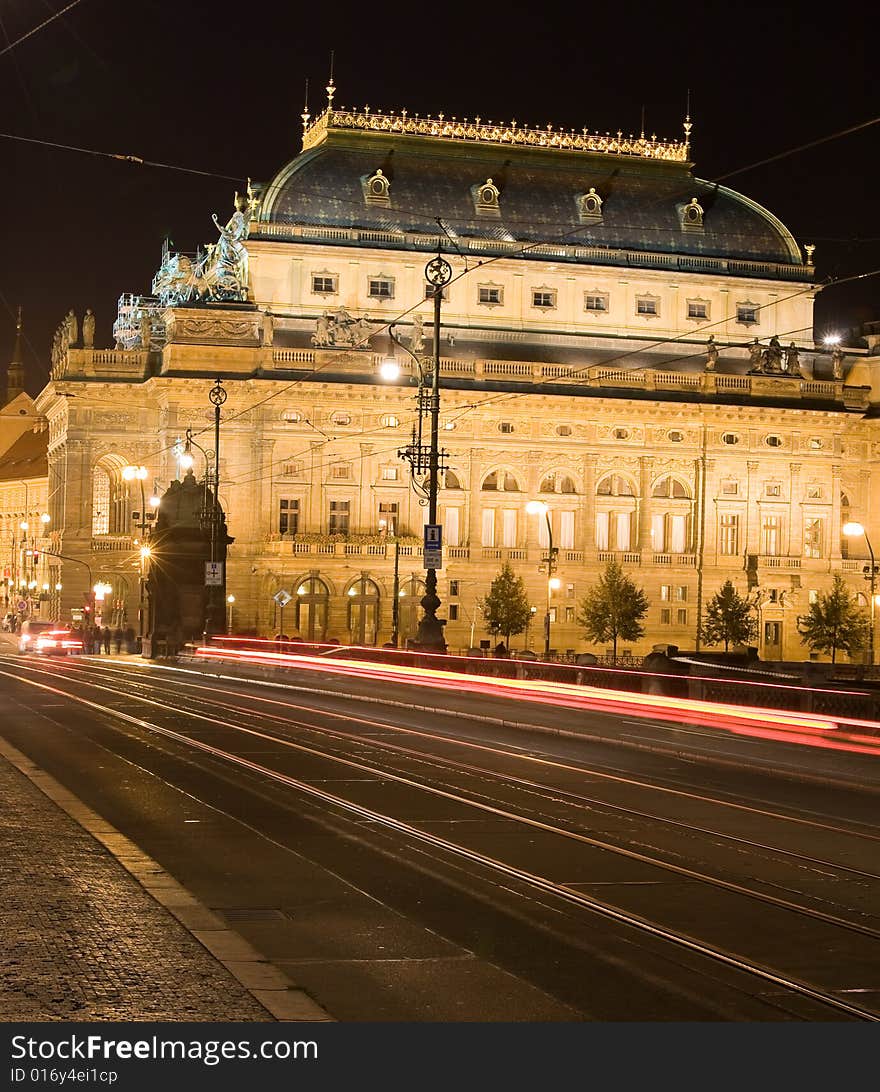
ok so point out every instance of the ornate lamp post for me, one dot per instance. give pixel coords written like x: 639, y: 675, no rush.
x: 438, y: 273
x: 537, y: 508
x: 854, y: 530
x: 214, y: 616
x: 130, y: 474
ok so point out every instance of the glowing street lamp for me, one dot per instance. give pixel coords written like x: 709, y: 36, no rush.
x: 539, y: 508
x: 856, y: 530
x: 230, y: 602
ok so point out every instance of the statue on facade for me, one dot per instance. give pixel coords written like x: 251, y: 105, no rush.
x: 756, y: 356
x: 417, y: 337
x: 837, y: 362
x: 88, y: 329
x: 711, y: 354
x: 72, y: 328
x: 146, y: 330
x: 339, y: 329
x: 772, y: 357
x: 792, y: 360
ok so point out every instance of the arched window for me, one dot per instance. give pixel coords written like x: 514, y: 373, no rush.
x: 450, y: 480
x: 671, y: 487
x: 614, y: 486
x: 409, y: 609
x: 502, y: 481
x: 363, y: 611
x: 616, y: 509
x: 558, y: 482
x: 672, y: 521
x: 110, y: 506
x: 312, y: 599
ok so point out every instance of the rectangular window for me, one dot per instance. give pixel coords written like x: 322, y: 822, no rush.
x: 569, y: 614
x: 658, y: 533
x: 623, y: 531
x: 681, y: 593
x: 814, y: 492
x: 774, y: 490
x: 697, y: 310
x: 451, y: 532
x: 453, y: 588
x: 388, y: 517
x: 389, y: 473
x: 730, y: 489
x: 381, y: 288
x: 487, y: 294
x: 646, y: 307
x: 683, y: 616
x: 595, y: 302
x: 543, y: 298
x: 728, y: 535
x: 602, y: 522
x: 746, y: 314
x: 288, y: 516
x: 814, y: 536
x: 665, y: 593
x: 340, y: 471
x: 508, y: 527
x: 678, y: 534
x: 453, y: 612
x: 429, y: 292
x: 323, y: 284
x: 543, y: 533
x: 566, y: 530
x: 339, y: 517
x: 665, y: 616
x: 771, y: 528
x: 488, y: 538
x: 569, y: 591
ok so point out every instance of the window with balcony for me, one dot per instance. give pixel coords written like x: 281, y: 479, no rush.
x: 451, y: 526
x: 508, y: 527
x: 771, y: 535
x: 339, y: 517
x: 288, y: 516
x: 387, y: 517
x: 728, y: 535
x: 614, y: 530
x: 814, y: 537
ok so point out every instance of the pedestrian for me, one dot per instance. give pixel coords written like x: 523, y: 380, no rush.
x: 130, y: 643
x: 87, y: 640
x: 105, y: 637
x: 117, y: 640
x: 501, y: 651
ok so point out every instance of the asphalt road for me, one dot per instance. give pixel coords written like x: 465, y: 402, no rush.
x: 404, y: 853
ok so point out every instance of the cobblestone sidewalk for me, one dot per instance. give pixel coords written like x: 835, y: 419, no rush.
x: 80, y: 939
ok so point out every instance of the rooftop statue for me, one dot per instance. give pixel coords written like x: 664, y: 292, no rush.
x: 88, y: 329
x: 711, y: 353
x: 221, y: 273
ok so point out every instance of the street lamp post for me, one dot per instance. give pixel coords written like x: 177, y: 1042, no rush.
x: 139, y: 473
x: 230, y: 602
x: 537, y: 508
x: 854, y: 530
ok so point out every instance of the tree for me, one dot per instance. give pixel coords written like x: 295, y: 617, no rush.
x: 613, y: 608
x: 835, y: 621
x: 506, y: 608
x: 729, y: 618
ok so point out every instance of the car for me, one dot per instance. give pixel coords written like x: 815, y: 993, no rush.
x: 47, y: 639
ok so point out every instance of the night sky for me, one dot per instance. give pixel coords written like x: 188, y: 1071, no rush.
x: 220, y: 90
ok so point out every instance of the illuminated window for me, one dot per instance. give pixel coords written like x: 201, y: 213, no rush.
x: 381, y: 288
x: 681, y: 593
x: 389, y: 420
x: 814, y: 537
x: 387, y: 517
x: 682, y: 616
x: 390, y: 473
x: 771, y: 535
x: 291, y: 416
x: 339, y: 517
x: 728, y: 535
x: 595, y: 301
x: 288, y: 516
x: 665, y: 593
x: 324, y: 284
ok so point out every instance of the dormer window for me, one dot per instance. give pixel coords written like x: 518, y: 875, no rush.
x: 692, y: 216
x: 377, y: 189
x: 590, y: 207
x: 486, y: 199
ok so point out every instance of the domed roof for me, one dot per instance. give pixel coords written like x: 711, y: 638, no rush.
x: 643, y: 194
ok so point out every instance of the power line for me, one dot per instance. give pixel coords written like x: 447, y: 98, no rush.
x: 40, y: 26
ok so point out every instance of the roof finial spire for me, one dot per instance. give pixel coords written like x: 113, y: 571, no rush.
x: 305, y: 114
x: 643, y: 122
x: 688, y: 124
x: 15, y: 369
x: 331, y: 86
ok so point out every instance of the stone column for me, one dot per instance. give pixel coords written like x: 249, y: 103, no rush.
x: 588, y: 540
x: 710, y: 515
x: 753, y: 511
x: 796, y: 513
x: 646, y: 468
x: 314, y: 520
x: 475, y: 507
x: 835, y: 528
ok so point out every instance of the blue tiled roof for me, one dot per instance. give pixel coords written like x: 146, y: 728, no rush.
x: 538, y: 201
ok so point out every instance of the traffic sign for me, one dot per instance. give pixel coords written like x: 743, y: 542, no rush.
x: 213, y: 573
x: 432, y: 554
x: 22, y: 605
x: 282, y: 597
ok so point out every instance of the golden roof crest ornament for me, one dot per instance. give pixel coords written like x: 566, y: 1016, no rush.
x: 480, y: 132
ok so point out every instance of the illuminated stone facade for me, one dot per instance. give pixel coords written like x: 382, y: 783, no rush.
x: 577, y: 371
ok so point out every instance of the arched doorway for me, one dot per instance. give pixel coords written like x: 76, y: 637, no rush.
x: 363, y: 611
x: 312, y: 600
x: 409, y: 608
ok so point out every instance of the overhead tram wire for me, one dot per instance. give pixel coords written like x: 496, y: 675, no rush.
x: 45, y: 23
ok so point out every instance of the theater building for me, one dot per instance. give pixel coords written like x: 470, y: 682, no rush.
x: 621, y: 340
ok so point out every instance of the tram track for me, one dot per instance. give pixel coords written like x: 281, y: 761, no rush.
x: 547, y: 885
